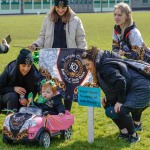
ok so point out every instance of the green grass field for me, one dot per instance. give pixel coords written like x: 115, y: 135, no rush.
x: 25, y: 29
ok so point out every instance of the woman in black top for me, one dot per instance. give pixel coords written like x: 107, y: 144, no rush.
x: 20, y: 77
x: 126, y: 89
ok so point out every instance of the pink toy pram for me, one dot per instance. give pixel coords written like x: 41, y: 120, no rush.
x: 29, y: 124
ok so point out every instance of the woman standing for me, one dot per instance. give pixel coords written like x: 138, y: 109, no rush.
x: 124, y: 88
x: 61, y: 29
x: 20, y: 77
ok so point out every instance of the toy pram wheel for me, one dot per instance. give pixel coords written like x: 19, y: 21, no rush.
x: 44, y: 139
x: 6, y: 140
x: 67, y: 134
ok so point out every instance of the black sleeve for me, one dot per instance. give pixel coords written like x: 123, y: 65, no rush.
x: 59, y: 105
x: 113, y: 78
x: 4, y: 79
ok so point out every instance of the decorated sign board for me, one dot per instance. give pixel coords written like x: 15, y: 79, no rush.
x: 66, y: 69
x: 89, y: 96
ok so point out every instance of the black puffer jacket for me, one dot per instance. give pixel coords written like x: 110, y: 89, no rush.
x: 100, y: 59
x: 121, y: 83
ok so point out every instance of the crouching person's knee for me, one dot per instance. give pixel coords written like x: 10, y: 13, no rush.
x: 12, y: 100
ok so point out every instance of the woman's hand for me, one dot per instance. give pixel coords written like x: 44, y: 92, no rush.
x: 23, y: 102
x: 32, y: 47
x: 20, y: 90
x: 104, y: 100
x: 117, y: 107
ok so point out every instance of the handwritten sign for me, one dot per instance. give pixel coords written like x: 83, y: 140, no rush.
x: 89, y: 96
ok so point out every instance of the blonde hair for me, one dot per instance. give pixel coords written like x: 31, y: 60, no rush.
x: 48, y: 85
x: 65, y: 17
x: 125, y: 8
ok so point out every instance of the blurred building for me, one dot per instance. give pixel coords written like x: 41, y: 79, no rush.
x: 82, y: 6
x: 140, y: 4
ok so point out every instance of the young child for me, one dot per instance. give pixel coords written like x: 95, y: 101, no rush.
x: 50, y: 100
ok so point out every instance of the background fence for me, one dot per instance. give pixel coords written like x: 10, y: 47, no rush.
x: 43, y: 6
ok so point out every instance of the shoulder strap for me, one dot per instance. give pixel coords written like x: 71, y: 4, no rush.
x: 117, y: 31
x: 127, y: 33
x: 141, y: 67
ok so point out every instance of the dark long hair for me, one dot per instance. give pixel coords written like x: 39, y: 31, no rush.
x: 90, y: 54
x: 65, y: 17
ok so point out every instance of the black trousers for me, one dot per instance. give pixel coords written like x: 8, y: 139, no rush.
x: 68, y: 104
x: 137, y: 114
x: 125, y: 119
x: 9, y: 101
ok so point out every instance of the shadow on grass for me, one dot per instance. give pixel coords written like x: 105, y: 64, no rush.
x: 100, y: 143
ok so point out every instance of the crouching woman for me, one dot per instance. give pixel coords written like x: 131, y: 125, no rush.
x: 20, y: 77
x: 124, y: 88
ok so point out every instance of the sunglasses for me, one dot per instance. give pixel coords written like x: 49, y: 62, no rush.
x: 84, y: 54
x: 87, y: 55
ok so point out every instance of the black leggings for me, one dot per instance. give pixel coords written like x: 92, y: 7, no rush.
x: 9, y: 101
x: 125, y: 120
x: 137, y: 113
